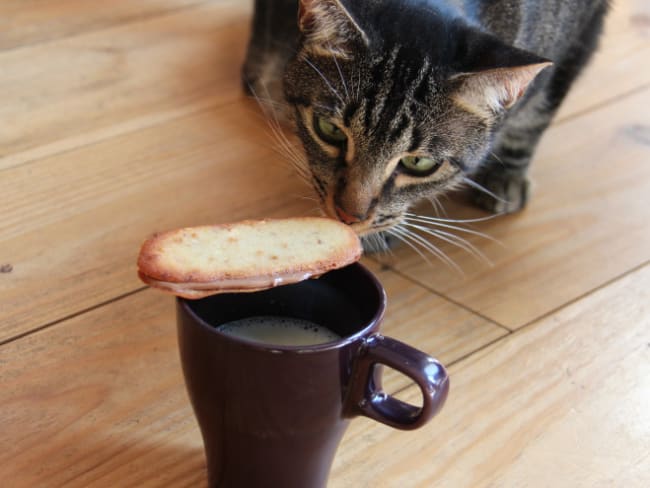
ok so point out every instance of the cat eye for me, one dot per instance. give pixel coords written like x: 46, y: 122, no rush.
x: 417, y: 166
x: 328, y: 131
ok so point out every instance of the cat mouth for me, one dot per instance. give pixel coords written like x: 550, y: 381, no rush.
x: 382, y: 227
x: 371, y: 224
x: 361, y: 227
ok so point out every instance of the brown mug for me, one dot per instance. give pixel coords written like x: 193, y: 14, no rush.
x: 273, y: 416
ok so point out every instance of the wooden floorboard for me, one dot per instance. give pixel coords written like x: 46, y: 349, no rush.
x: 99, y: 400
x: 561, y: 403
x: 73, y: 223
x: 84, y: 419
x: 78, y: 90
x: 586, y: 222
x: 118, y: 121
x: 619, y: 65
x: 28, y: 22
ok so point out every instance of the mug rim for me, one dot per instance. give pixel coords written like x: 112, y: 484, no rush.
x: 314, y: 348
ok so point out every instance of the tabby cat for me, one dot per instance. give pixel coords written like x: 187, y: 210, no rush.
x: 398, y: 100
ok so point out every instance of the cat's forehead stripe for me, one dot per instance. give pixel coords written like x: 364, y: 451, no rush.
x: 394, y: 82
x: 416, y: 139
x: 381, y: 80
x: 397, y: 132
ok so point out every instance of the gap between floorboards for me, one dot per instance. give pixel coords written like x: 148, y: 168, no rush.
x: 534, y: 321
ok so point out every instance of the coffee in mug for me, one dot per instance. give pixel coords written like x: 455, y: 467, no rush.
x: 280, y: 331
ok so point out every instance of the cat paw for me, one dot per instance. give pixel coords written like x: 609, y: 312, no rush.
x: 510, y: 191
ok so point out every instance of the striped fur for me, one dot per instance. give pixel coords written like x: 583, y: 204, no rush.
x: 469, y: 84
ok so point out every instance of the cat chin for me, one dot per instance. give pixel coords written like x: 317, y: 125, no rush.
x: 375, y: 223
x: 369, y: 226
x: 366, y: 229
x: 362, y: 228
x: 370, y: 230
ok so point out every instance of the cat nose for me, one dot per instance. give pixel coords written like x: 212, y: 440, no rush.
x: 346, y: 217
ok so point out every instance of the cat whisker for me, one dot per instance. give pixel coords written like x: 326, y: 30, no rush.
x: 454, y: 221
x: 359, y: 86
x: 284, y: 147
x: 355, y: 87
x: 293, y: 166
x: 265, y: 103
x: 437, y: 206
x: 428, y: 221
x: 414, y: 240
x: 274, y: 116
x: 493, y: 154
x: 379, y: 243
x: 338, y: 68
x: 297, y: 161
x: 481, y: 188
x: 454, y: 240
x: 303, y: 197
x: 418, y: 239
x: 327, y: 108
x: 291, y: 153
x: 385, y: 245
x: 329, y: 85
x: 314, y: 210
x: 296, y: 157
x: 397, y: 235
x: 319, y: 210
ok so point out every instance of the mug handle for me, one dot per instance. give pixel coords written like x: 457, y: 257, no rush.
x: 365, y: 396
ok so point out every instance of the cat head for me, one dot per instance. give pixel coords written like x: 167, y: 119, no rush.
x: 396, y: 104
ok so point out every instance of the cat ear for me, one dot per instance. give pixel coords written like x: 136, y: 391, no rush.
x: 328, y: 27
x: 496, y: 89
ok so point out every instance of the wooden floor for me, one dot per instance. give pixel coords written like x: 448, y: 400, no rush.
x: 119, y: 121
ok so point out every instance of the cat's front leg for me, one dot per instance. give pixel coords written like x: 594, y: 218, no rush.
x: 274, y: 34
x: 504, y: 173
x: 503, y: 190
x: 502, y: 184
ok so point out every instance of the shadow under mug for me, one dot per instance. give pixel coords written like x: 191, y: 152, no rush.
x: 273, y: 416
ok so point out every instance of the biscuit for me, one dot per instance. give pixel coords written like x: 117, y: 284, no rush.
x: 245, y: 256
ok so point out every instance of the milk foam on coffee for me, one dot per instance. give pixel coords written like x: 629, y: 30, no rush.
x: 280, y: 331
